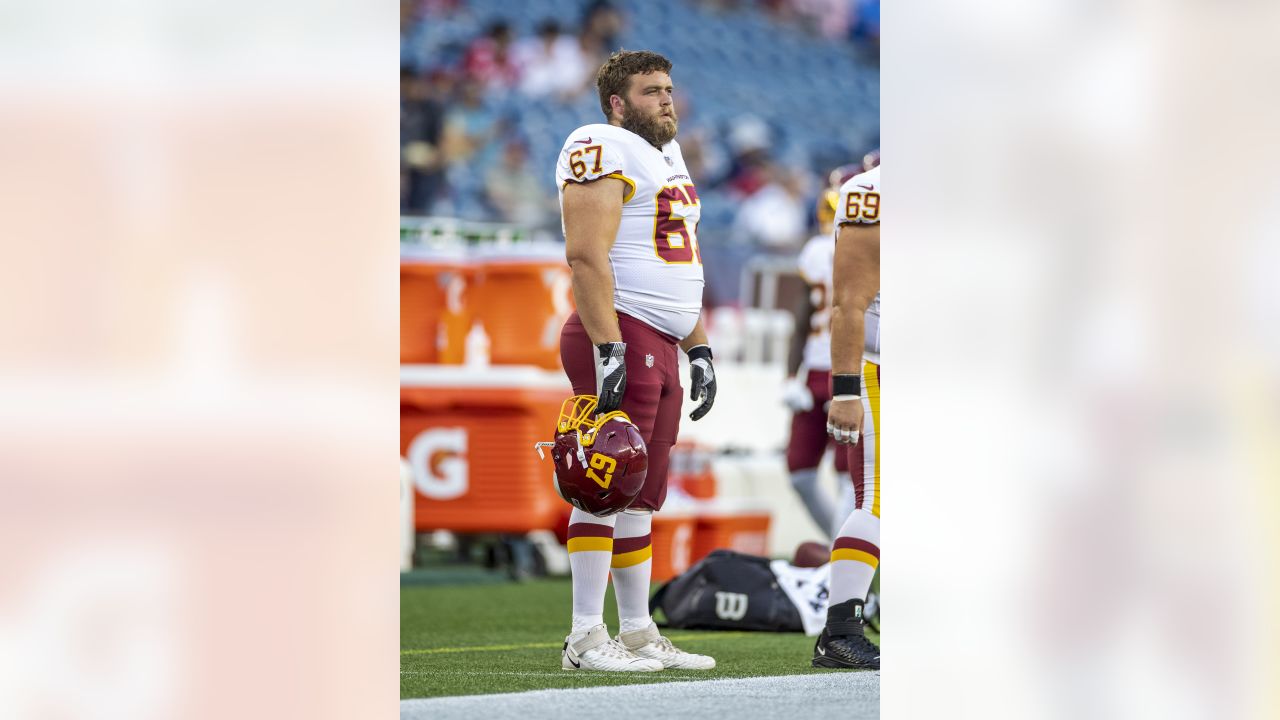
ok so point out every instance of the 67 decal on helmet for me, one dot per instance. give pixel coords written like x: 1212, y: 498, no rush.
x: 600, y: 462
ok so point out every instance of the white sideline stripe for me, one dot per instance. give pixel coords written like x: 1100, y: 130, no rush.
x: 848, y: 695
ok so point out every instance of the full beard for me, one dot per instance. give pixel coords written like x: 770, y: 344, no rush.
x: 653, y: 128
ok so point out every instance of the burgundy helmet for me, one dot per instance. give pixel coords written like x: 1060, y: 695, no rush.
x: 601, y: 462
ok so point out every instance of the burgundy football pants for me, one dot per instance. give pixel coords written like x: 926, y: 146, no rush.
x: 809, y: 438
x: 653, y: 396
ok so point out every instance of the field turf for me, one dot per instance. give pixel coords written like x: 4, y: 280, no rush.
x: 506, y: 637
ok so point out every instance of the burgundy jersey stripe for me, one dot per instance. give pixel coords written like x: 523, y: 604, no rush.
x: 590, y: 530
x: 848, y: 543
x: 631, y: 544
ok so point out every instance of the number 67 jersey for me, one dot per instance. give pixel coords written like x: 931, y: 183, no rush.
x: 657, y: 266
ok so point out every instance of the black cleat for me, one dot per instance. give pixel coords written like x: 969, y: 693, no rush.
x: 842, y: 643
x: 845, y: 651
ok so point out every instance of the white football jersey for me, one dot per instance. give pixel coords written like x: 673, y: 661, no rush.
x: 859, y: 204
x: 815, y: 261
x: 657, y: 265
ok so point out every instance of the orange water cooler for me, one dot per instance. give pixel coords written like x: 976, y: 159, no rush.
x: 435, y: 306
x: 743, y: 529
x: 522, y: 300
x: 673, y: 539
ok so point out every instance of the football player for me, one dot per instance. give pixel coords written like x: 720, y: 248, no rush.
x: 808, y: 389
x: 630, y: 215
x: 854, y: 419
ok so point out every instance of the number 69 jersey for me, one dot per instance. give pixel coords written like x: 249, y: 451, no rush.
x: 657, y: 266
x: 859, y: 204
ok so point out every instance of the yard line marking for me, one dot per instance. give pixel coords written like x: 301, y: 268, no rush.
x: 544, y: 645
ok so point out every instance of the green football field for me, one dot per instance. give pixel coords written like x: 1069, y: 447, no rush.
x: 507, y: 637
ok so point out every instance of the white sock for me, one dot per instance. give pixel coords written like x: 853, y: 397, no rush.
x: 815, y: 500
x: 632, y: 568
x: 590, y: 549
x: 582, y: 624
x: 854, y: 556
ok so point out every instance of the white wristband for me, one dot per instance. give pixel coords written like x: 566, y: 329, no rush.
x: 846, y: 397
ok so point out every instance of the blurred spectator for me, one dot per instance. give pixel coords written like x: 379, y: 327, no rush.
x: 470, y: 126
x: 706, y: 161
x: 827, y: 18
x: 513, y: 189
x: 604, y: 21
x: 780, y: 11
x: 705, y: 157
x: 408, y: 17
x: 436, y: 8
x: 749, y: 142
x: 598, y: 37
x: 421, y: 158
x: 490, y: 59
x: 552, y: 63
x: 775, y: 216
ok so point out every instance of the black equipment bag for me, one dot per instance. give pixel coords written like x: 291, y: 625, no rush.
x: 727, y: 590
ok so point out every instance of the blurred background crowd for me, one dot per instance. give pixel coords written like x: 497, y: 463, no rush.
x: 772, y: 95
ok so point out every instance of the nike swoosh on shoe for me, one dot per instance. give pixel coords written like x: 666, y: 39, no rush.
x: 571, y: 660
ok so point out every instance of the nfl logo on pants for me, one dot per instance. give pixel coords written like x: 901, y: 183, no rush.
x: 648, y: 361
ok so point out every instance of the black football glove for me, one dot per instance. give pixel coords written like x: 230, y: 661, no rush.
x: 611, y: 376
x: 702, y: 380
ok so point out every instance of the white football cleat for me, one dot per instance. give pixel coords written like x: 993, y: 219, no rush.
x: 595, y: 651
x: 649, y: 643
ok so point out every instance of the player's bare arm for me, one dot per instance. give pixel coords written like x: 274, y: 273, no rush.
x: 592, y: 212
x: 856, y: 282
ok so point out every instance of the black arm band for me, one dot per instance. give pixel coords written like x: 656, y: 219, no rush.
x: 846, y: 385
x: 699, y: 351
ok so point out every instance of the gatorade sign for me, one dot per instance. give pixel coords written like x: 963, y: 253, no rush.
x: 438, y: 459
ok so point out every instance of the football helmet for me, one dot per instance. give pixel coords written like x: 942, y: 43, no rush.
x: 826, y: 211
x: 871, y: 160
x: 601, y: 462
x: 830, y: 197
x: 841, y: 175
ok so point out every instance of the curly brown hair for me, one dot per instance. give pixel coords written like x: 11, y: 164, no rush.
x: 615, y: 74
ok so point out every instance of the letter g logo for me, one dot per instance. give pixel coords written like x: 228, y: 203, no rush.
x: 438, y: 459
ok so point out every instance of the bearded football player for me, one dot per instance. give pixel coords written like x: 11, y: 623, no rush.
x: 854, y: 420
x: 630, y: 215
